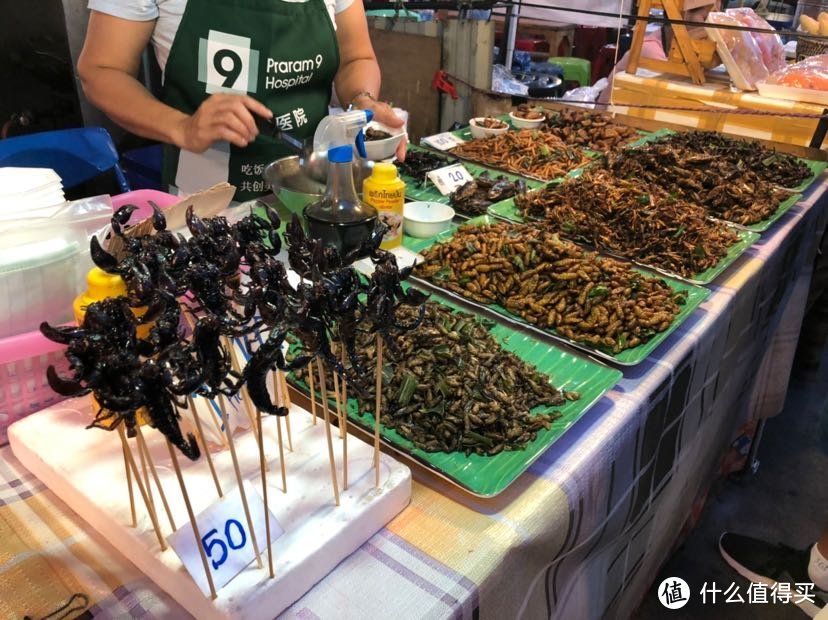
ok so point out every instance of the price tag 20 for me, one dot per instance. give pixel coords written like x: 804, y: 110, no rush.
x: 225, y: 538
x: 443, y: 141
x: 448, y: 179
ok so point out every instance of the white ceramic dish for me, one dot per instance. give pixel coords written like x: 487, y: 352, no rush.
x: 525, y: 123
x: 379, y: 150
x: 478, y: 131
x: 425, y: 219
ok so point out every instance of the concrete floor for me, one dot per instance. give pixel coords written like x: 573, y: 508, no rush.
x: 785, y: 501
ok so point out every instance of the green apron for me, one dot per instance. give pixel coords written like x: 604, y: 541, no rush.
x: 283, y: 54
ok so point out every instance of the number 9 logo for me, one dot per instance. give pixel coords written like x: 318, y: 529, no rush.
x: 227, y: 63
x: 231, y: 74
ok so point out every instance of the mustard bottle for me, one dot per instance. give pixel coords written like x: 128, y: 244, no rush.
x: 101, y: 285
x: 385, y: 191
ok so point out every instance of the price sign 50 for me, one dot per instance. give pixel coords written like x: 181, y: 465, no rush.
x: 227, y: 541
x: 234, y: 538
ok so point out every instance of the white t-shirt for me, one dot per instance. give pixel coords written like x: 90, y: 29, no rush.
x: 168, y: 14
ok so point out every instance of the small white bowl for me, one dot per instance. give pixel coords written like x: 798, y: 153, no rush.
x: 478, y: 131
x: 426, y: 219
x: 379, y: 150
x: 525, y: 123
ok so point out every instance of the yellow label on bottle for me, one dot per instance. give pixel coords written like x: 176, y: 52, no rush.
x: 387, y: 196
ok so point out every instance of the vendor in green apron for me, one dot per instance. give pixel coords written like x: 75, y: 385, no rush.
x: 225, y: 62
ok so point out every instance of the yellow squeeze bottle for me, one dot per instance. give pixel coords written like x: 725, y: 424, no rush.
x: 385, y: 191
x: 101, y: 285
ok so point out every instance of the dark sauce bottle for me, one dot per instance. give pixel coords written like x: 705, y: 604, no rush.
x: 340, y: 219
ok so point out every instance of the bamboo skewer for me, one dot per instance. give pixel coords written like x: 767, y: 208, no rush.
x: 141, y: 489
x: 339, y: 415
x: 283, y: 381
x: 144, y: 471
x: 338, y: 400
x: 283, y: 400
x: 239, y: 481
x: 196, y: 533
x: 218, y: 421
x: 142, y: 445
x: 377, y: 405
x: 281, y: 452
x: 245, y: 397
x: 287, y: 428
x: 312, y: 394
x: 280, y: 403
x: 213, y: 415
x: 264, y: 496
x: 206, y: 448
x: 129, y: 486
x: 321, y: 368
x: 345, y: 427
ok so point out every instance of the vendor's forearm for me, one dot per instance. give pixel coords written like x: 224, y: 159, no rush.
x: 358, y: 76
x: 125, y: 100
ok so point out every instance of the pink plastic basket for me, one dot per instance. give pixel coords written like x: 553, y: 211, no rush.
x: 141, y: 198
x: 23, y: 387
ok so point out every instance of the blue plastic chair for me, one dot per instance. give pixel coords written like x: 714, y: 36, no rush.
x: 77, y: 155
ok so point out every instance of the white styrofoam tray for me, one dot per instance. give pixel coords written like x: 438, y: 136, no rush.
x: 85, y: 469
x: 806, y: 95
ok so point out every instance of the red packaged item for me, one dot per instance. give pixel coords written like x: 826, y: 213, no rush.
x: 811, y: 73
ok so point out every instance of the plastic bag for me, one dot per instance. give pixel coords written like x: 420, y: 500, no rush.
x: 738, y: 50
x: 811, y: 73
x: 44, y: 260
x: 503, y: 81
x: 586, y: 95
x: 770, y: 45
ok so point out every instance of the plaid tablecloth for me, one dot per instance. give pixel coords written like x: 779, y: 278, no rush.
x: 580, y: 535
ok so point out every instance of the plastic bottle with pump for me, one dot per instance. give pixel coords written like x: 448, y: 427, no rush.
x: 340, y: 219
x: 385, y: 191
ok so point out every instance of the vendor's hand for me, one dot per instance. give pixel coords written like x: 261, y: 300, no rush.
x: 383, y: 113
x: 221, y: 117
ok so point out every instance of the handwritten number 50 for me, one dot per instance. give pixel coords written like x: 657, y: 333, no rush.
x: 230, y: 75
x: 210, y: 545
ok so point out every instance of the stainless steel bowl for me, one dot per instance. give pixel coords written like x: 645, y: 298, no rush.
x: 291, y: 184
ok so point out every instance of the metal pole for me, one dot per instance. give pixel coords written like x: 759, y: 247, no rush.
x: 511, y: 33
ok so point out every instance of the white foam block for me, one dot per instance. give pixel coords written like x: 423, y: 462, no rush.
x: 85, y: 468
